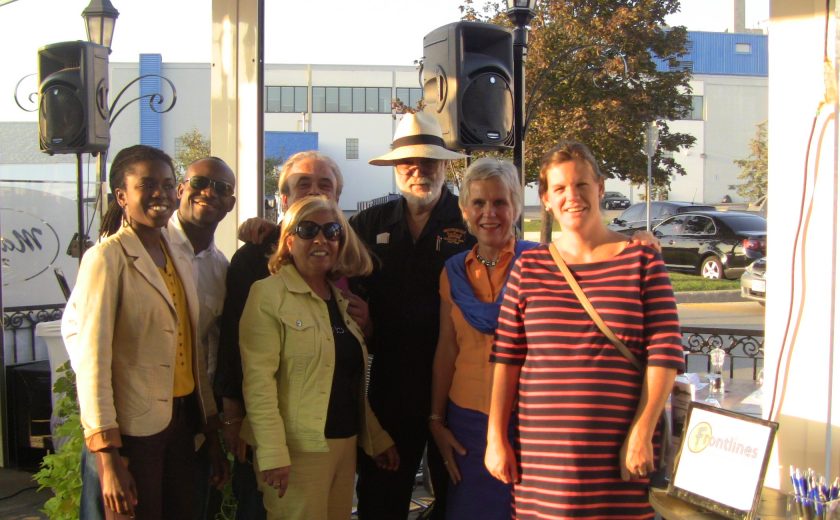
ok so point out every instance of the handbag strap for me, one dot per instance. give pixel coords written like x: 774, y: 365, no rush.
x: 591, y: 310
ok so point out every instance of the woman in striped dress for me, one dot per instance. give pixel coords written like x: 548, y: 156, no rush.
x: 586, y: 417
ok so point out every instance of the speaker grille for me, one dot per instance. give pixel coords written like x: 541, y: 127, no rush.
x: 487, y: 110
x: 62, y: 117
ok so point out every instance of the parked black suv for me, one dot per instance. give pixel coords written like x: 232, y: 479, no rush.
x: 615, y: 200
x: 634, y: 217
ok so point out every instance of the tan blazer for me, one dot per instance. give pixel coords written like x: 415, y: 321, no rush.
x: 120, y: 329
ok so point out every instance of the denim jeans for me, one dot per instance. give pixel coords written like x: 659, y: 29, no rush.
x: 91, y: 506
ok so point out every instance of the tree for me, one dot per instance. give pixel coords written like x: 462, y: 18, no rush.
x: 272, y: 174
x: 592, y: 76
x: 754, y: 169
x: 189, y: 146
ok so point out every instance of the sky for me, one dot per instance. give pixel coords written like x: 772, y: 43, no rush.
x: 376, y: 32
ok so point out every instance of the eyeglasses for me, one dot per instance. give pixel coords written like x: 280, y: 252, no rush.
x: 403, y: 165
x: 307, y: 230
x: 202, y: 183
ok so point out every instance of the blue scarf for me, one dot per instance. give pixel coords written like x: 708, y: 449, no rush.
x: 482, y: 316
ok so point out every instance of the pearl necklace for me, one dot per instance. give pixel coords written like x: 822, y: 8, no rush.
x: 485, y: 262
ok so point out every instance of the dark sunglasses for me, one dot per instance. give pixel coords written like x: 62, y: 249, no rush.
x: 201, y: 183
x: 307, y: 230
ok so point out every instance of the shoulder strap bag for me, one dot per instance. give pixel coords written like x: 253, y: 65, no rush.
x: 607, y: 331
x: 591, y: 310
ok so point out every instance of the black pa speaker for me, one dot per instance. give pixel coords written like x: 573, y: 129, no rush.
x: 73, y: 109
x: 467, y: 84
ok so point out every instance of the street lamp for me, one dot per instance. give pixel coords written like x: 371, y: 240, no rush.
x: 100, y: 17
x: 520, y: 13
x: 651, y: 144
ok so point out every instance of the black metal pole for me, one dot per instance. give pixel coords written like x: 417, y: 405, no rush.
x: 520, y: 46
x: 80, y: 206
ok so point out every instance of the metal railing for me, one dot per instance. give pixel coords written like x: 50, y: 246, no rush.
x: 365, y: 204
x: 745, y: 348
x: 19, y: 344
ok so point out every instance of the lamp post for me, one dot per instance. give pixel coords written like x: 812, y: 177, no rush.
x: 100, y: 17
x: 520, y: 13
x: 651, y: 144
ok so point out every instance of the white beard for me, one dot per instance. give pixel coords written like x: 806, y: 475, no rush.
x: 425, y: 201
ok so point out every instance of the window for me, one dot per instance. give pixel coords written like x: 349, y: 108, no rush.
x: 743, y: 48
x: 372, y: 100
x: 285, y: 99
x: 301, y: 99
x: 410, y: 96
x: 332, y: 100
x: 696, y: 225
x: 352, y: 148
x: 696, y: 111
x: 319, y: 99
x: 672, y: 226
x: 345, y: 99
x: 358, y: 100
x: 634, y: 213
x: 384, y: 100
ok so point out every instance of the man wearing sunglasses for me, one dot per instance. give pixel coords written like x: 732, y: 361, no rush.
x: 206, y: 195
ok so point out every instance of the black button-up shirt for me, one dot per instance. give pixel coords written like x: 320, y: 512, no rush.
x: 402, y: 294
x: 249, y: 264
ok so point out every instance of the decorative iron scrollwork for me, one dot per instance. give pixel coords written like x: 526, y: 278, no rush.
x: 156, y: 100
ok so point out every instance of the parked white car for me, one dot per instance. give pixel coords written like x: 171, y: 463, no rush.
x: 753, y: 284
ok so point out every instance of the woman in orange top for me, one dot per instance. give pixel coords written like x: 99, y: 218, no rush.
x: 470, y: 294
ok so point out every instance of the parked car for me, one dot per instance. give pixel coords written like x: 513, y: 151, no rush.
x: 713, y: 244
x: 634, y: 218
x: 753, y: 284
x: 615, y: 200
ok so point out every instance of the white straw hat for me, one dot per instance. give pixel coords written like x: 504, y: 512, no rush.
x: 417, y: 135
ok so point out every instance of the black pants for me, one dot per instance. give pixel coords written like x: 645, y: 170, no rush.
x: 386, y: 495
x: 163, y: 466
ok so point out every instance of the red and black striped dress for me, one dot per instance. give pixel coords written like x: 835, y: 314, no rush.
x: 577, y: 394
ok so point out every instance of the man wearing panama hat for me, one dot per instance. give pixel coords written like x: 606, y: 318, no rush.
x: 412, y: 237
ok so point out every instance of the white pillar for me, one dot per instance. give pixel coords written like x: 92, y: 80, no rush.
x: 235, y: 113
x: 806, y: 377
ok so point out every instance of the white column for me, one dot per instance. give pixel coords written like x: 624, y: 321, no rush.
x: 807, y: 376
x: 234, y: 110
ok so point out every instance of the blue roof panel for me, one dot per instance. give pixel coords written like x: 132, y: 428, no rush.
x: 733, y: 54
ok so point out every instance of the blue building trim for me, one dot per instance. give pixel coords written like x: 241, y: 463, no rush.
x: 282, y: 145
x: 727, y: 54
x: 150, y: 121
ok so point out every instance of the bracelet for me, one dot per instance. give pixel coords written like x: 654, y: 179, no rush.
x: 436, y: 418
x: 228, y: 421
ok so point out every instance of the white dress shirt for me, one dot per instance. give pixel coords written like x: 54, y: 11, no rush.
x: 209, y: 270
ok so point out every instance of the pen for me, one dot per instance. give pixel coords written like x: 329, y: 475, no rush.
x: 793, y: 481
x: 824, y: 494
x: 803, y: 483
x: 834, y: 493
x: 818, y: 504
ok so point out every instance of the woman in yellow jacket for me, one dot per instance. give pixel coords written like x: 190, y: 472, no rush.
x: 304, y: 365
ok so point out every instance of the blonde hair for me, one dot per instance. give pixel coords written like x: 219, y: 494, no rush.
x: 353, y: 258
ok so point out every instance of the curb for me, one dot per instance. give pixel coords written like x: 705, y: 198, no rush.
x: 710, y: 296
